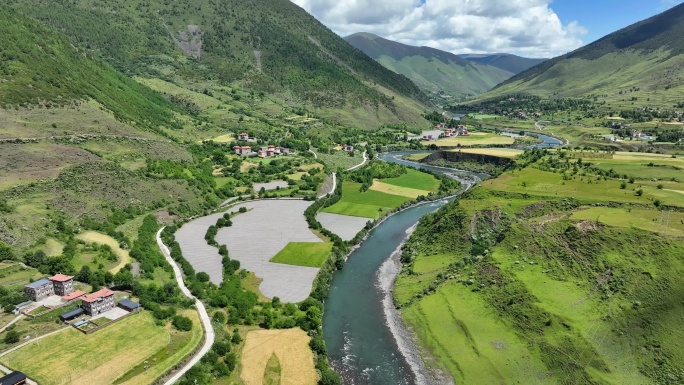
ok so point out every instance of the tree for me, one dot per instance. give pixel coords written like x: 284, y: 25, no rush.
x: 231, y: 360
x: 12, y: 337
x: 5, y: 252
x: 182, y: 323
x: 203, y: 277
x: 236, y: 339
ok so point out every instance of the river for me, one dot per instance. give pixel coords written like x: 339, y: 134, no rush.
x: 367, y: 342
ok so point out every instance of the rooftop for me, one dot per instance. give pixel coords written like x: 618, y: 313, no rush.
x: 92, y: 297
x: 61, y: 278
x: 73, y: 295
x: 128, y: 304
x: 12, y: 378
x: 39, y: 283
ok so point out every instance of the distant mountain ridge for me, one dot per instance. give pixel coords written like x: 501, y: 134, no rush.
x: 504, y: 61
x: 431, y: 69
x: 646, y: 57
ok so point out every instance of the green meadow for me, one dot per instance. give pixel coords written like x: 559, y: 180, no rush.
x: 304, y: 254
x: 368, y: 204
x: 416, y: 180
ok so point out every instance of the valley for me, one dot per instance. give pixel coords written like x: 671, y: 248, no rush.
x: 214, y: 193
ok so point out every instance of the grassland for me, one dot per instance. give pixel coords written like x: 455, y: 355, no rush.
x: 339, y: 159
x: 417, y: 157
x: 103, y: 239
x: 397, y: 190
x: 510, y: 153
x: 414, y: 179
x: 303, y: 254
x: 290, y: 346
x: 549, y: 291
x: 475, y: 139
x: 368, y: 204
x: 98, y: 358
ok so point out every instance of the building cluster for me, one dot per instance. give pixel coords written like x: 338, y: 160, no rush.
x: 270, y: 151
x: 460, y: 130
x: 60, y: 284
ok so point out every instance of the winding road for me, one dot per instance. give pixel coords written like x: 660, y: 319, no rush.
x: 204, y: 316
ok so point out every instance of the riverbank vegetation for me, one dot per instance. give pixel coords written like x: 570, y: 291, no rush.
x: 551, y: 273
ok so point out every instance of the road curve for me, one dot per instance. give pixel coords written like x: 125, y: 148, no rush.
x: 204, y: 316
x: 365, y: 159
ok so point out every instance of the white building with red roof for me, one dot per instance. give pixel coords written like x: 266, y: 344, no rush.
x: 98, y: 302
x: 64, y: 284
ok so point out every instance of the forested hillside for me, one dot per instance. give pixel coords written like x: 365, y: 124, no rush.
x: 272, y: 46
x: 431, y: 69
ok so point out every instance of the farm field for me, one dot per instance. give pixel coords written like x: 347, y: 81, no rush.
x: 368, y: 204
x: 475, y: 139
x: 549, y: 184
x: 510, y: 153
x: 291, y: 349
x: 103, y: 239
x: 397, y: 190
x: 98, y: 358
x: 339, y: 159
x: 303, y: 254
x: 414, y: 179
x: 262, y: 232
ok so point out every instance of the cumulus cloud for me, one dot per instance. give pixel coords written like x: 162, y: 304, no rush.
x: 525, y: 27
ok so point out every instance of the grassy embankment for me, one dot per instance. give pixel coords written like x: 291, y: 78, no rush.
x: 524, y: 281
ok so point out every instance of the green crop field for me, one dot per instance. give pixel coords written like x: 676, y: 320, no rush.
x: 416, y: 180
x: 368, y: 204
x: 304, y: 254
x: 475, y: 139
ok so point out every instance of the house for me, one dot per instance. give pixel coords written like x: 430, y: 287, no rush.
x: 242, y: 150
x: 427, y: 137
x: 98, y: 302
x: 129, y: 305
x: 71, y: 314
x: 40, y: 289
x: 63, y: 284
x: 14, y: 378
x: 267, y: 152
x: 243, y: 136
x: 462, y: 130
x: 449, y: 132
x: 347, y: 148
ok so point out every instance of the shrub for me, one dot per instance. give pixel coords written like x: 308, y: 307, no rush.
x: 12, y: 337
x: 182, y: 323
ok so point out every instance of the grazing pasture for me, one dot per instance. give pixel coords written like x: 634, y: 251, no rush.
x: 98, y: 358
x: 368, y: 204
x: 397, y: 190
x: 414, y: 179
x: 262, y: 232
x: 291, y: 348
x: 475, y: 139
x: 500, y: 152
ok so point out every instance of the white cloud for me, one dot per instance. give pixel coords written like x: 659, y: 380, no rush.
x: 524, y: 27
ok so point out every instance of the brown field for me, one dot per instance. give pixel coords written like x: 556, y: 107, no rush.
x: 102, y: 239
x: 397, y: 190
x: 291, y: 347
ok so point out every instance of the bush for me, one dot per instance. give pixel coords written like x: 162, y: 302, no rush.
x: 182, y: 323
x: 317, y: 345
x: 231, y: 360
x: 221, y: 348
x: 12, y: 337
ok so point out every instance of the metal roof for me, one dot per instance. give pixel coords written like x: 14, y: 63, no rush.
x: 39, y: 283
x: 12, y: 378
x: 71, y: 313
x: 128, y: 304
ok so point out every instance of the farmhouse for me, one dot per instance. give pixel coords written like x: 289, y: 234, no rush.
x: 267, y: 152
x: 14, y: 378
x: 243, y: 136
x: 40, y: 289
x: 242, y: 150
x: 64, y: 284
x: 98, y: 302
x: 348, y: 148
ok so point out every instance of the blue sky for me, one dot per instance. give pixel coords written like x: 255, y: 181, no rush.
x: 602, y: 17
x: 530, y: 28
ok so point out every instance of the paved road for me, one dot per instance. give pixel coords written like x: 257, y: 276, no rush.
x: 204, y: 317
x: 16, y: 319
x: 365, y: 159
x: 332, y: 189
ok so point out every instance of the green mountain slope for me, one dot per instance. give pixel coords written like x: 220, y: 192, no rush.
x: 507, y: 62
x: 431, y: 69
x: 269, y: 46
x: 645, y: 59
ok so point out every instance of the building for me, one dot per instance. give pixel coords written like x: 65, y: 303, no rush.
x: 74, y: 295
x: 243, y: 136
x: 64, y: 284
x: 242, y: 150
x: 40, y: 289
x: 71, y: 314
x: 98, y: 302
x: 347, y: 148
x: 14, y: 378
x: 129, y: 305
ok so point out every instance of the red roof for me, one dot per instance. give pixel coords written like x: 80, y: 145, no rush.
x: 243, y: 134
x: 61, y: 278
x: 73, y: 295
x: 236, y: 147
x: 92, y: 297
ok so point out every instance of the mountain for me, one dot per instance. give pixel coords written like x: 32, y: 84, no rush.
x: 267, y: 46
x: 431, y: 69
x: 507, y: 62
x: 641, y: 63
